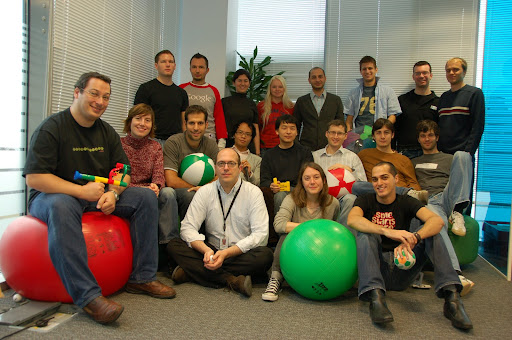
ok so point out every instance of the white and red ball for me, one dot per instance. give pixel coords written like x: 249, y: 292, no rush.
x: 340, y: 182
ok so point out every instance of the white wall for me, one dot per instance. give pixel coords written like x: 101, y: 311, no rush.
x: 204, y: 30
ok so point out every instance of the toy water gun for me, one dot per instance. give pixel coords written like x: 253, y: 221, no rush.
x: 283, y: 186
x: 110, y: 179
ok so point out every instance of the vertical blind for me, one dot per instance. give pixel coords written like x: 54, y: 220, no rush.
x: 291, y: 32
x: 398, y: 33
x: 114, y: 37
x: 493, y: 195
x: 14, y: 113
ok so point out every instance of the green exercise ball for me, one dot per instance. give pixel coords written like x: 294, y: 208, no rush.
x: 466, y: 247
x: 319, y: 259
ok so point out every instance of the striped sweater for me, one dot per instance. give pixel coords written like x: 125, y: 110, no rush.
x: 461, y: 120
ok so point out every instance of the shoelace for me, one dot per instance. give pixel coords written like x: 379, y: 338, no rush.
x: 273, y: 286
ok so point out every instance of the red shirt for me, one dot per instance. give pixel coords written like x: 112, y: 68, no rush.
x: 268, y: 136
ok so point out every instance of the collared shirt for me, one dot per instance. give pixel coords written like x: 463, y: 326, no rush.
x: 318, y: 101
x: 341, y: 156
x: 243, y: 154
x: 246, y: 225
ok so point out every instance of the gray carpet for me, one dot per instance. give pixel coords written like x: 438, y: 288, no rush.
x: 204, y: 313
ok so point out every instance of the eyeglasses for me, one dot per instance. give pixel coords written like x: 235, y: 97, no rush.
x: 96, y: 95
x: 246, y: 134
x: 230, y: 164
x: 335, y: 133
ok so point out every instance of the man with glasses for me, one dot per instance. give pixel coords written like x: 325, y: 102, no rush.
x: 233, y: 246
x: 335, y: 156
x: 176, y: 148
x: 76, y: 139
x: 165, y: 98
x: 418, y: 104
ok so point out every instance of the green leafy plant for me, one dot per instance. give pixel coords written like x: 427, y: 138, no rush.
x: 260, y: 79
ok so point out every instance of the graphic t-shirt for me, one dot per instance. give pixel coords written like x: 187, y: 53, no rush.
x: 366, y: 114
x: 397, y: 215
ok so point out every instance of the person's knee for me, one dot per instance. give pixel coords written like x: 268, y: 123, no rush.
x: 166, y: 194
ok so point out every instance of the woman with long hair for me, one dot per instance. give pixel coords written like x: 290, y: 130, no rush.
x: 275, y: 104
x: 147, y: 165
x: 308, y: 201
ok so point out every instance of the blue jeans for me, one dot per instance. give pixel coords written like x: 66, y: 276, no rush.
x: 361, y: 188
x: 378, y: 271
x: 68, y: 251
x: 411, y: 153
x: 346, y: 204
x: 455, y: 192
x: 168, y: 216
x: 279, y: 198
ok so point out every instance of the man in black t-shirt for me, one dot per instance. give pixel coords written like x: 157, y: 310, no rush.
x: 383, y: 221
x: 77, y: 140
x: 168, y: 100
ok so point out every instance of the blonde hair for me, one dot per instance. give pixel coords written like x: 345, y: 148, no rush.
x: 267, y: 102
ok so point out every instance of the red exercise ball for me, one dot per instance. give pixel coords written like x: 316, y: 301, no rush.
x: 28, y: 269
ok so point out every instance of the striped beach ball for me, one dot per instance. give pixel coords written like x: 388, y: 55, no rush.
x: 197, y: 169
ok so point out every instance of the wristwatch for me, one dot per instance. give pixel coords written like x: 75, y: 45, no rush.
x: 116, y: 195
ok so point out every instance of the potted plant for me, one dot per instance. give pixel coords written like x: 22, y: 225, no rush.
x: 260, y: 79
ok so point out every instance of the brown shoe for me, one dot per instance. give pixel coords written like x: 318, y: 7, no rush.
x: 179, y: 275
x: 103, y: 310
x: 241, y: 284
x: 155, y: 289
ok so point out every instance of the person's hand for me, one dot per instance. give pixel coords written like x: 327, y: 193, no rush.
x: 218, y: 260
x: 339, y: 166
x: 206, y: 257
x: 402, y: 236
x: 92, y: 191
x: 107, y: 203
x: 194, y: 188
x: 155, y: 188
x: 246, y: 168
x: 403, y: 248
x: 275, y: 187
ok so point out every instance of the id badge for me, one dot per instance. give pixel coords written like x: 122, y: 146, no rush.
x: 223, y: 243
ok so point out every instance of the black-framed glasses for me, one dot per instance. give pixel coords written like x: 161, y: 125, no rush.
x: 230, y: 164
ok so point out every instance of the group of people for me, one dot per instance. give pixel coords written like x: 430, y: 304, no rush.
x: 217, y: 235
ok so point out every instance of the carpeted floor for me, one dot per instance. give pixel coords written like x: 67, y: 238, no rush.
x: 204, y: 313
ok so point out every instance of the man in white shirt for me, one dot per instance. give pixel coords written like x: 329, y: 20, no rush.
x: 335, y: 156
x: 233, y: 246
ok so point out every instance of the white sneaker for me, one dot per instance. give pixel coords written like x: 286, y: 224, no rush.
x: 466, y: 285
x: 270, y: 293
x: 457, y: 221
x: 421, y: 195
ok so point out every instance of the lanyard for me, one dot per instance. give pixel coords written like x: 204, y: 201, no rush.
x: 231, y: 206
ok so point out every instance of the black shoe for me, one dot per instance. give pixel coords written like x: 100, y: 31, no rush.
x: 379, y: 312
x: 454, y: 310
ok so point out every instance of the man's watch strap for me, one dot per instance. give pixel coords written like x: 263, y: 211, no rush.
x: 116, y: 195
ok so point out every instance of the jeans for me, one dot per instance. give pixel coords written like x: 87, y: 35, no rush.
x: 346, y: 204
x: 378, y: 271
x: 361, y: 188
x: 455, y: 192
x: 168, y: 216
x: 68, y: 251
x: 278, y: 199
x: 411, y: 153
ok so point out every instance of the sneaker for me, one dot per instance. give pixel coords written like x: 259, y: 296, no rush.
x: 241, y: 284
x: 421, y: 195
x: 467, y: 285
x: 179, y: 276
x: 457, y: 221
x: 270, y: 293
x: 418, y: 282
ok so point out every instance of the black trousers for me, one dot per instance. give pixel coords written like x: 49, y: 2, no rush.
x: 255, y: 262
